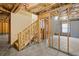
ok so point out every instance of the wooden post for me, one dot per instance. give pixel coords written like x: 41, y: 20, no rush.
x: 59, y: 40
x: 52, y: 39
x: 68, y: 42
x: 2, y: 27
x: 58, y: 12
x: 18, y: 41
x: 9, y: 29
x: 39, y: 29
x: 52, y: 31
x: 49, y: 30
x: 68, y: 12
x: 5, y: 26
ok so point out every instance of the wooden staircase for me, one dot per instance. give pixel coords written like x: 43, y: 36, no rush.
x: 29, y: 34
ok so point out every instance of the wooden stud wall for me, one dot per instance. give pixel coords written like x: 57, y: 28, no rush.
x: 44, y: 16
x: 4, y: 26
x: 68, y: 34
x: 1, y: 26
x: 48, y: 14
x: 25, y: 36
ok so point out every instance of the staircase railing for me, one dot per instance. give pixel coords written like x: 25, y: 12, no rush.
x: 28, y: 35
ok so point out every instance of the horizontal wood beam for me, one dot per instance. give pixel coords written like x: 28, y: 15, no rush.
x: 60, y: 8
x: 15, y: 7
x: 46, y: 8
x: 2, y: 9
x: 33, y: 7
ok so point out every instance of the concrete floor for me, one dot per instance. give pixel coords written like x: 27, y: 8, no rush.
x: 4, y: 46
x: 40, y: 49
x: 32, y: 50
x: 35, y: 50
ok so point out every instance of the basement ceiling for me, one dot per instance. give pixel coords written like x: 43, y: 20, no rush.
x: 6, y: 9
x: 41, y: 7
x: 36, y: 8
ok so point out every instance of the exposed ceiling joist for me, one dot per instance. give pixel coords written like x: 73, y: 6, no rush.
x: 63, y: 7
x: 15, y: 7
x: 46, y: 8
x: 2, y: 9
x: 41, y: 7
x: 32, y: 6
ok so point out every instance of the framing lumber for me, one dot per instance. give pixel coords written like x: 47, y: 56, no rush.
x: 2, y: 9
x: 15, y: 7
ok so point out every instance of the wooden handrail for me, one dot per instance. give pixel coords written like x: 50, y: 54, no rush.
x: 27, y: 35
x: 30, y: 25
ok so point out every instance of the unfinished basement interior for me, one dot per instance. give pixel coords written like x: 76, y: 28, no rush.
x: 39, y: 29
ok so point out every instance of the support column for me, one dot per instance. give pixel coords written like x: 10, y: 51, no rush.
x: 59, y: 30
x: 52, y: 32
x: 2, y: 26
x: 49, y: 28
x: 39, y: 29
x: 68, y: 13
x: 9, y: 29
